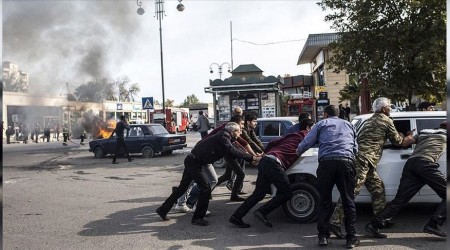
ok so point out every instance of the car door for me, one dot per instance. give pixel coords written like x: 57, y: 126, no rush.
x: 134, y: 139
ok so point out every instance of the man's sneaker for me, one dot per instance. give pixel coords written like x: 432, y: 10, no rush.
x: 337, y: 231
x: 182, y: 209
x: 374, y: 231
x: 434, y: 230
x: 199, y: 222
x: 161, y: 214
x: 229, y: 185
x: 237, y: 198
x: 352, y: 243
x: 238, y: 222
x: 262, y: 218
x: 208, y: 213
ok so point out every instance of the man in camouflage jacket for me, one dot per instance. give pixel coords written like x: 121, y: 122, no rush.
x: 377, y: 129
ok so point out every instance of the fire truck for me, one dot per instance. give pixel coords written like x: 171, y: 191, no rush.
x: 300, y: 103
x: 176, y: 119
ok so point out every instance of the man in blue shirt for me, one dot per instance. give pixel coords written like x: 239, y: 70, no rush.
x: 296, y: 127
x: 337, y: 149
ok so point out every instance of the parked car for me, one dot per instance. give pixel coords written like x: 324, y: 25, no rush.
x: 147, y: 139
x: 268, y: 129
x: 272, y: 128
x: 302, y: 207
x: 211, y: 123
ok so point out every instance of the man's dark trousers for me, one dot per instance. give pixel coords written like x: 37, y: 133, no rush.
x: 232, y: 165
x: 192, y: 171
x: 269, y: 172
x: 121, y: 144
x: 417, y: 173
x: 341, y: 173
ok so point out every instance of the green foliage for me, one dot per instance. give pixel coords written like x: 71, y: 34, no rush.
x: 104, y: 90
x: 95, y: 92
x: 190, y: 99
x: 14, y: 82
x: 169, y: 103
x: 400, y: 44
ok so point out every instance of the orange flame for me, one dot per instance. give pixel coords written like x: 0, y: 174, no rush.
x: 105, y: 129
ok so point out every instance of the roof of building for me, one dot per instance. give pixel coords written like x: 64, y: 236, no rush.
x: 314, y: 44
x: 245, y: 68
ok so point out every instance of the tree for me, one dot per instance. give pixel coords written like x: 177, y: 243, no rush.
x: 94, y: 92
x: 14, y: 81
x: 400, y: 44
x: 107, y: 90
x: 351, y: 91
x: 169, y: 103
x: 190, y: 99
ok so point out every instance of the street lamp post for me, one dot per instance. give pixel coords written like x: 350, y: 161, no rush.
x: 219, y: 67
x: 159, y: 13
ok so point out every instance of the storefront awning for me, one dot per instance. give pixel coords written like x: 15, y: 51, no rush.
x: 273, y: 86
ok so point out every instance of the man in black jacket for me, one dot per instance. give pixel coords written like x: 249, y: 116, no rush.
x: 120, y: 128
x: 205, y: 152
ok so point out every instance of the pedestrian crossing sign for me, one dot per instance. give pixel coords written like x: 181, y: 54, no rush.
x: 147, y: 103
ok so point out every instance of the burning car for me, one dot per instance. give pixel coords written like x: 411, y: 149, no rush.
x: 147, y: 139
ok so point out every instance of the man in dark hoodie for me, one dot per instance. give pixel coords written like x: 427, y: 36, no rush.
x: 205, y: 152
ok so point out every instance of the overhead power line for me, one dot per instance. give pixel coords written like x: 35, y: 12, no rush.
x: 270, y: 43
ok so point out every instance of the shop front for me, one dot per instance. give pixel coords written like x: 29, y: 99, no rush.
x: 246, y: 88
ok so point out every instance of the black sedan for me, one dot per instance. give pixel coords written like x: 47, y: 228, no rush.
x: 148, y: 139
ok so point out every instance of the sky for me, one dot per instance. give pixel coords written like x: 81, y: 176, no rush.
x: 59, y: 42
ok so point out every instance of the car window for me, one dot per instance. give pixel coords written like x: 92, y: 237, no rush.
x: 157, y: 130
x: 403, y: 126
x: 135, y: 132
x: 428, y: 123
x: 272, y: 129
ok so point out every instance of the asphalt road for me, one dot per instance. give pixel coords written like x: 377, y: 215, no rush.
x: 59, y: 197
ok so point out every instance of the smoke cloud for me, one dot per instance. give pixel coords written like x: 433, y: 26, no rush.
x: 68, y: 41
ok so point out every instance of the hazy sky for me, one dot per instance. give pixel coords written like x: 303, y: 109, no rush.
x: 77, y: 41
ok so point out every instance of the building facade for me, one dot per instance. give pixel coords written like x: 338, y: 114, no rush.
x: 317, y: 54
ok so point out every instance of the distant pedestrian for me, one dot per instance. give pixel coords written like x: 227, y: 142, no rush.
x: 341, y: 112
x: 24, y: 130
x: 37, y: 129
x: 119, y: 130
x: 426, y: 106
x: 66, y: 133
x: 46, y: 134
x: 348, y: 110
x: 56, y: 132
x: 9, y: 132
x: 82, y: 137
x: 202, y: 124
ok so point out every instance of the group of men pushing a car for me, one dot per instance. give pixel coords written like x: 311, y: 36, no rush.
x: 345, y: 160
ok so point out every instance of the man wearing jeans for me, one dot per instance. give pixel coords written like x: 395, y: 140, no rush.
x: 337, y: 149
x: 205, y: 152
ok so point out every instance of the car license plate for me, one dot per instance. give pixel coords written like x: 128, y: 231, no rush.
x: 176, y: 140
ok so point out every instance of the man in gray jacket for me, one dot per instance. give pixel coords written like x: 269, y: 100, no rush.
x: 202, y: 124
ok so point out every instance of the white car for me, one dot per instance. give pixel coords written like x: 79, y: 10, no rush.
x: 302, y: 207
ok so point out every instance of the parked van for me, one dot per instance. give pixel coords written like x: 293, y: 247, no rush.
x: 302, y: 207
